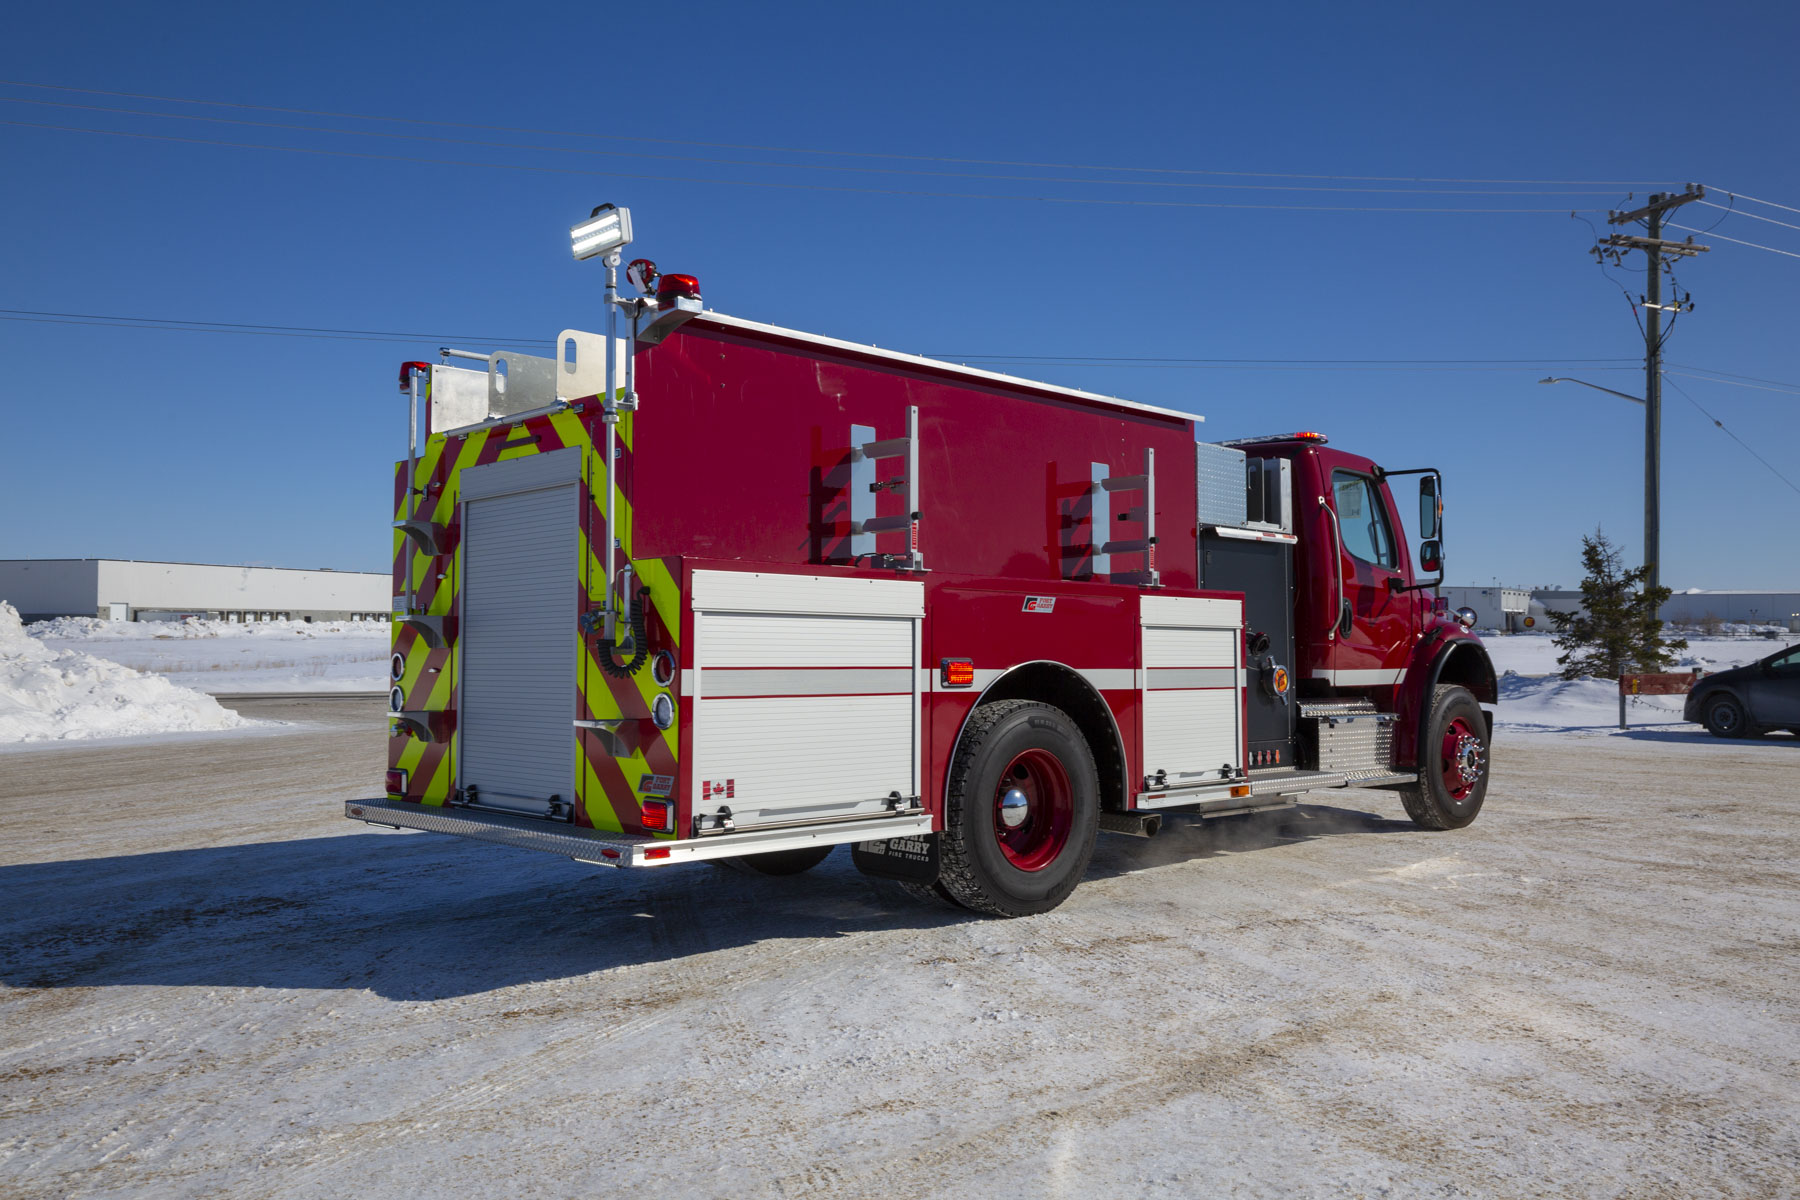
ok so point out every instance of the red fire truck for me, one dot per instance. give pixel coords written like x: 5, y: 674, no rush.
x: 722, y: 590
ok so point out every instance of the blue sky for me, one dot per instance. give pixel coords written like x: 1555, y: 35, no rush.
x: 895, y: 222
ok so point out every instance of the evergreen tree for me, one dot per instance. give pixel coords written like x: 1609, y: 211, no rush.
x: 1616, y: 629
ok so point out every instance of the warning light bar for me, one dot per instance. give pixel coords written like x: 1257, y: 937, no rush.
x: 1305, y: 435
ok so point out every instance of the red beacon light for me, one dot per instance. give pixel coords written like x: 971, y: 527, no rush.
x: 1307, y: 435
x: 406, y: 373
x: 673, y: 286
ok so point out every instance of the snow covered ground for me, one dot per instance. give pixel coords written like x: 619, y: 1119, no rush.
x: 58, y: 693
x: 1533, y: 699
x: 223, y: 657
x: 212, y: 984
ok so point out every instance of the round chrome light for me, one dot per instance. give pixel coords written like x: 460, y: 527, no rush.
x: 396, y: 700
x: 397, y: 665
x: 1466, y: 617
x: 662, y: 668
x: 662, y: 710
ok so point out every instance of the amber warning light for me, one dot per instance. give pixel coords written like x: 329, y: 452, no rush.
x: 958, y: 672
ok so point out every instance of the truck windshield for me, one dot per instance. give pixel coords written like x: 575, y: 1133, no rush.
x: 1360, y: 515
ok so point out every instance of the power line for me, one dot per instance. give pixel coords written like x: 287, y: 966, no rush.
x: 1739, y: 241
x: 990, y: 162
x: 1729, y: 383
x: 802, y: 187
x: 1734, y: 437
x: 1754, y: 200
x: 190, y: 325
x: 1728, y: 375
x: 735, y: 162
x: 1753, y: 216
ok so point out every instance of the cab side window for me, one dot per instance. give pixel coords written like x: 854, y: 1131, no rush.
x: 1363, y: 520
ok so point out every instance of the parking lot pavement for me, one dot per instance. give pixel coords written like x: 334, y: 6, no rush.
x: 213, y: 984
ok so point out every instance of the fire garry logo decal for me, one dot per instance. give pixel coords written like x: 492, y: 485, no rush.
x: 1039, y: 604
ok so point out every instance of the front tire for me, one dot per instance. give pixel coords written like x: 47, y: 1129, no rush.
x: 1453, y: 763
x: 1725, y: 717
x: 1022, y: 813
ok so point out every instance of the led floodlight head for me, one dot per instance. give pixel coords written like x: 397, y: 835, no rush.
x: 608, y: 228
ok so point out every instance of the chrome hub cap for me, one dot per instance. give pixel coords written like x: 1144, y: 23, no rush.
x: 1015, y: 808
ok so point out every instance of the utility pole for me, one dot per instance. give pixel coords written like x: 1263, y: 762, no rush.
x: 1656, y: 253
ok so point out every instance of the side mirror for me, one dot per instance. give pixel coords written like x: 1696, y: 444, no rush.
x: 1431, y: 557
x: 1431, y: 509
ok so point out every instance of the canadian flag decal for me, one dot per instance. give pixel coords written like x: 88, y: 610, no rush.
x: 718, y: 789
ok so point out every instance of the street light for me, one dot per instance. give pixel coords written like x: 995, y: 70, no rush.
x: 1596, y: 387
x: 1652, y: 482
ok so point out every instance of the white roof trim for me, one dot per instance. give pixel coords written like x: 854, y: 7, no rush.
x: 915, y: 360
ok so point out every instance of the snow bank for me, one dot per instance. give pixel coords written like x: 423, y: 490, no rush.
x: 55, y: 695
x: 229, y: 657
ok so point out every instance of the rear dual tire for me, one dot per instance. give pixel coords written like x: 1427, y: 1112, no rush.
x: 1022, y: 812
x: 778, y: 862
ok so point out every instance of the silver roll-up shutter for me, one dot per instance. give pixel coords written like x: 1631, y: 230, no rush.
x: 519, y: 647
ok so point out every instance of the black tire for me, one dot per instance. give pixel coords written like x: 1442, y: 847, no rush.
x: 1038, y: 749
x: 1433, y: 803
x: 1724, y: 717
x: 778, y: 862
x: 932, y: 893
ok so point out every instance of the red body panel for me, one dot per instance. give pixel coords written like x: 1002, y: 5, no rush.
x: 742, y: 448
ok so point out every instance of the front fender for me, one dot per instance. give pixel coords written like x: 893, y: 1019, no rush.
x: 1443, y: 655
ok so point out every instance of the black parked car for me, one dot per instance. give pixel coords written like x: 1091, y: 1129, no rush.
x: 1747, y: 701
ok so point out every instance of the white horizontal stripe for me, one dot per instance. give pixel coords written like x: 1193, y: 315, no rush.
x: 1105, y: 679
x: 815, y: 681
x: 1193, y: 677
x: 1380, y: 677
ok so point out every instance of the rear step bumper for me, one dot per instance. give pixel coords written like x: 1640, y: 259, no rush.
x: 623, y: 849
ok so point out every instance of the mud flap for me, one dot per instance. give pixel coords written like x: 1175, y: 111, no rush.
x: 907, y: 859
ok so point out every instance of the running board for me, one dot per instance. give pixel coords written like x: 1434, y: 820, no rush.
x: 1241, y: 795
x: 623, y: 849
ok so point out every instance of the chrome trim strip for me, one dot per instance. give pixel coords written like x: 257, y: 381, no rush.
x: 624, y: 849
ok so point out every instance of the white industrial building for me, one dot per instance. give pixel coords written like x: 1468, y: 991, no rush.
x: 1503, y: 608
x: 128, y: 590
x: 1700, y: 606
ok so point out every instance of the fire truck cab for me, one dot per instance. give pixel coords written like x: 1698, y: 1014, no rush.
x: 722, y: 590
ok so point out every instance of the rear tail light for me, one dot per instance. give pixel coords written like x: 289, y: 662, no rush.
x: 396, y: 781
x: 658, y: 816
x: 398, y: 666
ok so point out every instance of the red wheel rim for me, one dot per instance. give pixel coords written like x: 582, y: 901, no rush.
x: 1464, y: 759
x: 1047, y: 815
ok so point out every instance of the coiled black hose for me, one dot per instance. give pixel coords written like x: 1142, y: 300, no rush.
x: 640, y: 637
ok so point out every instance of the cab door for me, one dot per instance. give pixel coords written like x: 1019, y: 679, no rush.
x: 1375, y: 625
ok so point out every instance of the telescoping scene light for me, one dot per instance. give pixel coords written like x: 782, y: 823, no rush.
x: 607, y: 228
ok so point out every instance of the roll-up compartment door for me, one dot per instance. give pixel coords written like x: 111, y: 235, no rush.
x: 519, y: 643
x: 1192, y: 689
x: 805, y: 696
